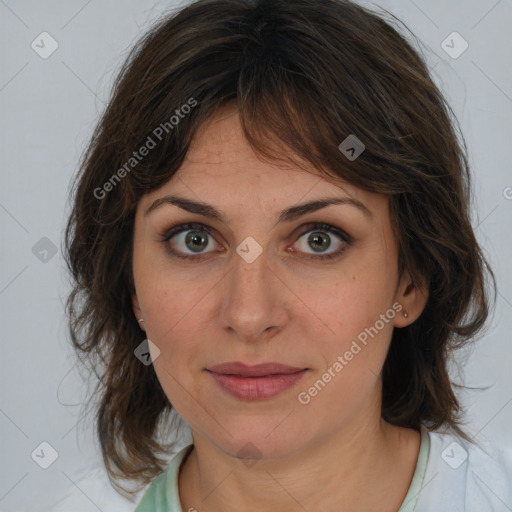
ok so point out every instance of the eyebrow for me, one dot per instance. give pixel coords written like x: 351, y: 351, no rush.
x: 287, y: 215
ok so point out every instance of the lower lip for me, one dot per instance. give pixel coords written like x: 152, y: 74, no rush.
x: 256, y: 388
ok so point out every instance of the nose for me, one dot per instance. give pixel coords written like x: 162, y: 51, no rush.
x: 253, y: 299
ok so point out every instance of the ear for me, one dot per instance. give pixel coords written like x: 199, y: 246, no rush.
x: 412, y: 299
x: 137, y: 311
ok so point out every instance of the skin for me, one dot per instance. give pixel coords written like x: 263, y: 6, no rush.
x: 335, y: 453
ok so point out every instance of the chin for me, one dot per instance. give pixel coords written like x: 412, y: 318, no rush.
x: 262, y: 441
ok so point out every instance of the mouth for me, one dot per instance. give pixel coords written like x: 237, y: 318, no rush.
x: 255, y: 382
x: 259, y: 370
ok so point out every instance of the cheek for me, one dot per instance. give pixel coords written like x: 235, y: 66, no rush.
x: 179, y: 318
x: 351, y: 359
x: 173, y: 321
x: 346, y: 304
x: 350, y: 317
x: 171, y: 302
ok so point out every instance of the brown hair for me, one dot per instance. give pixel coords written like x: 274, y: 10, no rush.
x: 304, y: 75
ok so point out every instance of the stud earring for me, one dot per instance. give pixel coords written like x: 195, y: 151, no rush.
x: 141, y: 319
x: 406, y: 314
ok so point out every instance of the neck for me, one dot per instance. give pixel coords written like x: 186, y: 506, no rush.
x: 366, y: 466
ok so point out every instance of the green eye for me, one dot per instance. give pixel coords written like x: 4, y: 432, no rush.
x: 320, y: 238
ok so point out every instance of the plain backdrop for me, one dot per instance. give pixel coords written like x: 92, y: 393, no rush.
x: 49, y: 107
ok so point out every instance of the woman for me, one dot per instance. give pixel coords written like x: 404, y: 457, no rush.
x: 277, y: 201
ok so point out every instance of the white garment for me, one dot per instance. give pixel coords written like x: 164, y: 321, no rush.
x: 462, y: 477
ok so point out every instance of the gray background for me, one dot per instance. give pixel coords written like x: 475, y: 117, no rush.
x: 49, y: 107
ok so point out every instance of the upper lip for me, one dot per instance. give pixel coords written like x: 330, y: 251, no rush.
x: 258, y: 370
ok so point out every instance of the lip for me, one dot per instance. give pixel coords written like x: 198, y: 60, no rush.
x: 258, y: 370
x: 255, y: 382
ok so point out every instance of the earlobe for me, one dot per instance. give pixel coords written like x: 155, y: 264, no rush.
x: 137, y: 311
x: 413, y: 299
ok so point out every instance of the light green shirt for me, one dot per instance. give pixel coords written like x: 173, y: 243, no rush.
x: 163, y: 496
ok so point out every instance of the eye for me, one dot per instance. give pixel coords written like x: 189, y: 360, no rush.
x: 189, y: 240
x: 319, y: 239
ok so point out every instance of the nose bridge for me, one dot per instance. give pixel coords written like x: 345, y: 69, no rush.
x: 251, y: 298
x: 249, y: 281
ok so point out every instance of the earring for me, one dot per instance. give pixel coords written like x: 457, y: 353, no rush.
x: 406, y: 314
x: 141, y: 319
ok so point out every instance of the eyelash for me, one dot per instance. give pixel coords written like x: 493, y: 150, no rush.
x: 327, y: 228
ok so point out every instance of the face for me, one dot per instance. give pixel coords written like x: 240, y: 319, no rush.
x: 257, y: 286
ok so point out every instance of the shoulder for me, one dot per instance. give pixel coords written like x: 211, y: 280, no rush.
x: 163, y: 495
x: 466, y: 477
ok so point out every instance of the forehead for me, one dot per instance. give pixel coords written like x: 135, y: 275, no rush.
x: 220, y: 163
